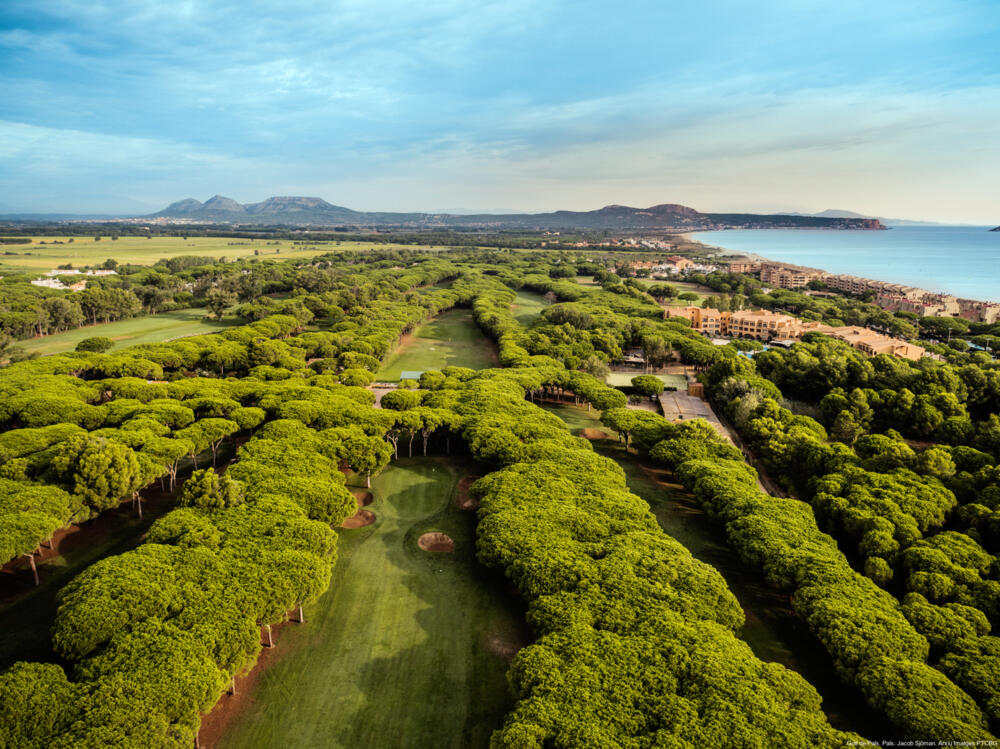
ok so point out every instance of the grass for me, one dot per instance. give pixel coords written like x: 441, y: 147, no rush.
x: 450, y: 339
x: 164, y: 326
x: 624, y: 379
x: 703, y: 292
x: 772, y: 630
x: 141, y: 251
x: 400, y: 650
x: 527, y: 307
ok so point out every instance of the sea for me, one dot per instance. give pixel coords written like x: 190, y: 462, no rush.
x: 959, y: 260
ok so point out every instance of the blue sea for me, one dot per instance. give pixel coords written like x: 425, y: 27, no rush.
x: 959, y: 260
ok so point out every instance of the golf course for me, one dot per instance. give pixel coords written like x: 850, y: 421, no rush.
x: 165, y: 326
x: 450, y: 339
x: 407, y: 647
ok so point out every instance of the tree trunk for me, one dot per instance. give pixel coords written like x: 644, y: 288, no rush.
x: 232, y: 686
x: 368, y: 485
x: 412, y: 437
x: 302, y: 617
x: 195, y: 459
x: 138, y: 503
x: 426, y: 437
x: 215, y: 446
x: 34, y: 569
x: 270, y: 639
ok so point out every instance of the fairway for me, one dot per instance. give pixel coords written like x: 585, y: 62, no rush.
x: 527, y: 307
x: 450, y: 339
x: 141, y: 251
x: 146, y: 329
x: 406, y: 649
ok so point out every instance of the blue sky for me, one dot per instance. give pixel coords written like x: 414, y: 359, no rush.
x: 888, y: 108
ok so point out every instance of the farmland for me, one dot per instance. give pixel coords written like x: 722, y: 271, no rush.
x: 407, y: 647
x: 86, y: 251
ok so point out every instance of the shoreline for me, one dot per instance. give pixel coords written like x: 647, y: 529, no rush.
x: 716, y: 251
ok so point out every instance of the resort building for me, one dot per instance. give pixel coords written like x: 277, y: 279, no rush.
x: 743, y: 265
x: 678, y: 263
x: 872, y: 343
x: 705, y: 320
x: 763, y: 325
x: 759, y: 324
x: 788, y: 276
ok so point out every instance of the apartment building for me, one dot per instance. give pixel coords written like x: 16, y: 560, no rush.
x: 744, y: 265
x: 935, y: 305
x: 788, y: 276
x: 987, y: 312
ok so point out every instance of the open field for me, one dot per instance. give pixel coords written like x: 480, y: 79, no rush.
x: 527, y: 307
x: 407, y: 649
x: 146, y: 329
x: 452, y: 338
x: 773, y: 630
x: 141, y: 251
x: 624, y: 379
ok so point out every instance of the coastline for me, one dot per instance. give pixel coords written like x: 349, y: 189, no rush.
x: 949, y: 262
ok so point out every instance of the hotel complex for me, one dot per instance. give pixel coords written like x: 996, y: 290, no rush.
x: 763, y: 325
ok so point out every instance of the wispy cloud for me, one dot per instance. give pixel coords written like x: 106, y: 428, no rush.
x: 395, y: 104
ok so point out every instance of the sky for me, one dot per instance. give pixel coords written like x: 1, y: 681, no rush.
x: 888, y: 108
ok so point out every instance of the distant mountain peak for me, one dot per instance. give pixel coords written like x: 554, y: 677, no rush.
x: 222, y: 203
x: 188, y: 205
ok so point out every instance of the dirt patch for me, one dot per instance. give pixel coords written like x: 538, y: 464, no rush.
x: 594, y: 434
x: 363, y: 498
x: 503, y: 647
x: 359, y: 520
x: 436, y: 542
x: 230, y: 707
x: 462, y: 498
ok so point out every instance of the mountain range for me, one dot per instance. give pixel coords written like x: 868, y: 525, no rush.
x: 318, y: 212
x: 837, y: 213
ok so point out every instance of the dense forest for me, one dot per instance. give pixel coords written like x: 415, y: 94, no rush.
x: 885, y: 545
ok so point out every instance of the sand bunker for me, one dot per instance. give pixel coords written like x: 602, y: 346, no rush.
x: 437, y: 542
x: 462, y: 498
x: 359, y: 519
x: 594, y: 434
x: 363, y: 498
